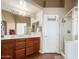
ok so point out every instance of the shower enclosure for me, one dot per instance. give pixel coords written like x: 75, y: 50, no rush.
x: 70, y: 27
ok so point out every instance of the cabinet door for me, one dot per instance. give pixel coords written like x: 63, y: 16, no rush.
x: 29, y: 46
x: 36, y: 45
x: 29, y: 51
x: 7, y: 49
x: 20, y: 48
x: 20, y: 44
x: 20, y: 54
x: 30, y: 42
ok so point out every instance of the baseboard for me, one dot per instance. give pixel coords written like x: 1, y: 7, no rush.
x: 41, y: 52
x: 62, y: 54
x: 47, y: 52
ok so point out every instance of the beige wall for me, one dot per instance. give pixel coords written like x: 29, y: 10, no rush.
x: 9, y: 18
x: 37, y: 17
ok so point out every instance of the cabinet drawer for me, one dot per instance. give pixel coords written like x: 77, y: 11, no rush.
x: 29, y: 51
x: 7, y: 51
x: 20, y: 53
x: 7, y: 47
x: 7, y: 43
x: 29, y: 42
x: 20, y: 45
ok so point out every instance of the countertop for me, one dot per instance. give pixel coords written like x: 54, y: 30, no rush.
x: 20, y: 36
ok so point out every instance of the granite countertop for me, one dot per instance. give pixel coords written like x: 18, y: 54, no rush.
x: 20, y: 36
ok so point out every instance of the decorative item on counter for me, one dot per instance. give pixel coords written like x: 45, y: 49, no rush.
x: 12, y: 32
x: 33, y: 27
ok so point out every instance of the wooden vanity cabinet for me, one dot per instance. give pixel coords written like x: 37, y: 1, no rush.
x: 29, y: 46
x: 19, y: 48
x: 7, y: 49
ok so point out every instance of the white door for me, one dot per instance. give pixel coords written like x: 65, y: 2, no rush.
x: 50, y: 34
x: 21, y: 28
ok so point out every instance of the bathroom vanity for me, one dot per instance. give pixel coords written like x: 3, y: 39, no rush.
x: 19, y: 48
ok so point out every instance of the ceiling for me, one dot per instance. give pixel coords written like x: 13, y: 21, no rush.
x: 29, y: 7
x: 50, y: 3
x: 20, y: 7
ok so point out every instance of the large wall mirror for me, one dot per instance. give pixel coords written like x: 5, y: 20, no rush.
x: 12, y: 24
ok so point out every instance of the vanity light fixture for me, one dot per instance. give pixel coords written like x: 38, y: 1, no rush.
x: 21, y: 2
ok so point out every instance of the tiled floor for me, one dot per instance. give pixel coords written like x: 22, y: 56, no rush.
x: 45, y: 56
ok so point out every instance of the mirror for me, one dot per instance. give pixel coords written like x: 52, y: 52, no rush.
x: 13, y: 24
x: 3, y: 28
x: 35, y: 27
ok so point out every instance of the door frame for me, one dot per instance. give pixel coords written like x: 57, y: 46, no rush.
x: 43, y: 33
